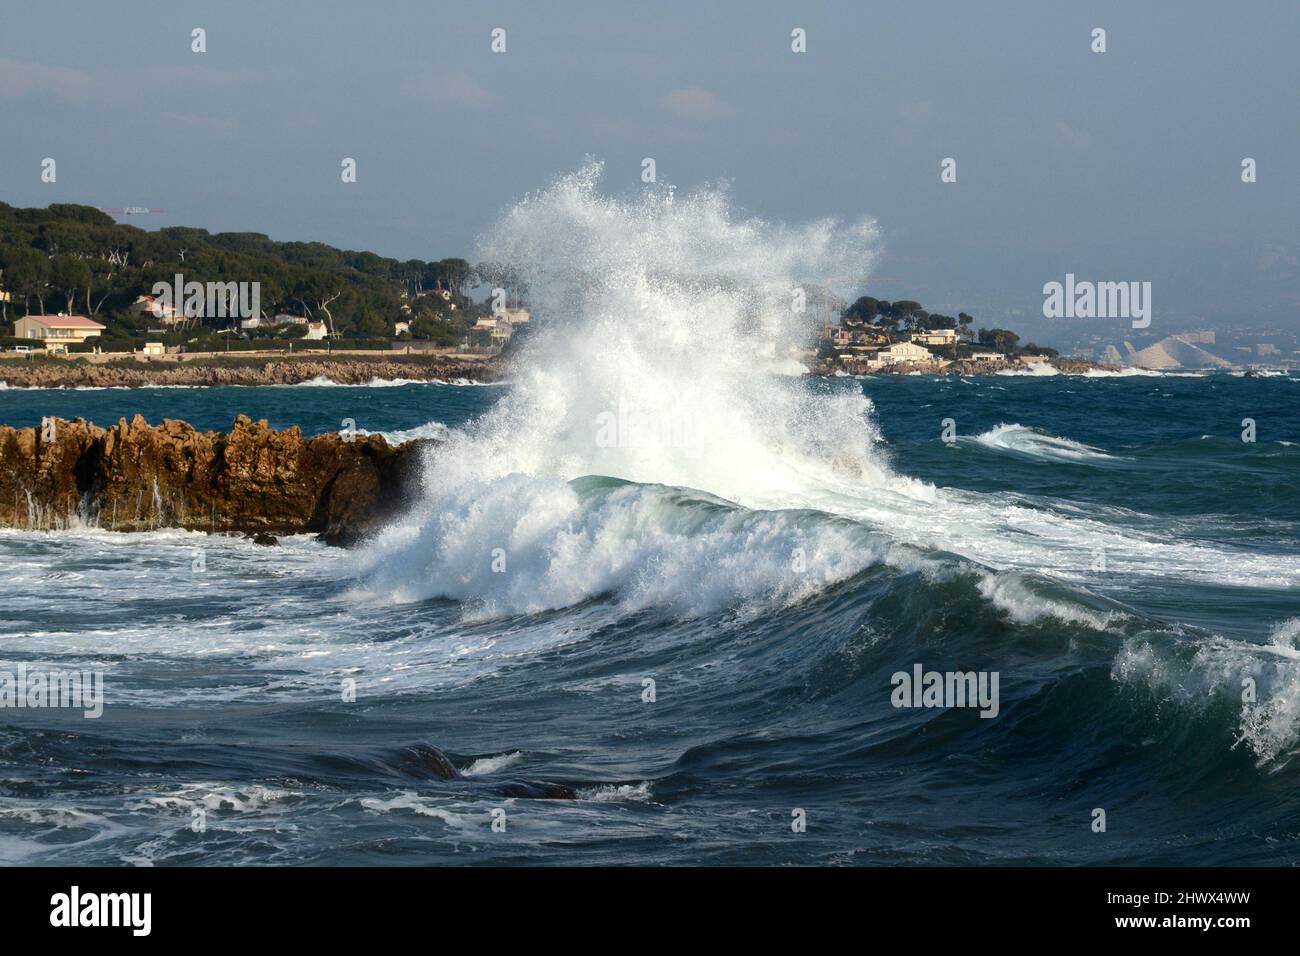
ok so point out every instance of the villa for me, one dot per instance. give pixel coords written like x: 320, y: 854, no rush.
x: 936, y: 337
x: 57, y: 331
x: 151, y: 305
x: 903, y: 352
x: 491, y: 332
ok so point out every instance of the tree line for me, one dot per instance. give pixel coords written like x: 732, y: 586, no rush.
x: 896, y: 321
x: 77, y: 259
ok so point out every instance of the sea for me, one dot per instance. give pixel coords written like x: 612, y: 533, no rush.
x: 662, y: 602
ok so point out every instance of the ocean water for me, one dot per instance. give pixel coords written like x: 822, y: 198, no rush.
x: 650, y: 607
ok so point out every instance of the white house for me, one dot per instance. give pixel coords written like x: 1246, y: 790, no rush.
x: 490, y: 331
x: 400, y: 327
x: 315, y: 331
x: 903, y: 352
x: 936, y: 337
x: 987, y: 357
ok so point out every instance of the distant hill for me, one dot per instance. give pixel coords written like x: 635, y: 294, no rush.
x: 1175, y: 351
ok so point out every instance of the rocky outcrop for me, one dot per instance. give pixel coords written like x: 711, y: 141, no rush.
x: 71, y: 373
x: 253, y: 479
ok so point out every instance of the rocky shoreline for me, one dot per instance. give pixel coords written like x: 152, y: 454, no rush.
x: 1065, y: 365
x: 253, y: 480
x: 61, y: 373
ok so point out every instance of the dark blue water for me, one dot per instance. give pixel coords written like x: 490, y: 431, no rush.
x: 1110, y: 547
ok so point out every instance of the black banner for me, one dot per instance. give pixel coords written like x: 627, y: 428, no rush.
x: 337, y: 905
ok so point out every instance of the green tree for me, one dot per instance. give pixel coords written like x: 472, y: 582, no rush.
x: 68, y: 276
x: 1001, y: 340
x: 864, y: 308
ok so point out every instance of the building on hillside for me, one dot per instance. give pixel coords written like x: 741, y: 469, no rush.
x: 1033, y: 359
x: 400, y: 327
x: 936, y: 337
x: 844, y: 335
x: 987, y: 357
x: 153, y: 348
x: 904, y: 352
x: 57, y: 331
x: 153, y: 306
x: 444, y: 294
x: 490, y: 332
x: 315, y: 331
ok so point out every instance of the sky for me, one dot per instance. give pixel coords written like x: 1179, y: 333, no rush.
x: 1063, y: 155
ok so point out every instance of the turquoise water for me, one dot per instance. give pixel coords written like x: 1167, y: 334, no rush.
x: 1109, y: 546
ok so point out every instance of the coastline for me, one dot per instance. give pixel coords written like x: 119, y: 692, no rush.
x: 243, y: 370
x: 359, y: 370
x: 1060, y: 364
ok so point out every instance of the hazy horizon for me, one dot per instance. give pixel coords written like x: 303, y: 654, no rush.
x: 1126, y: 161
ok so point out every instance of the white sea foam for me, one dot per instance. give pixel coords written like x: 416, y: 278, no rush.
x: 1262, y: 681
x: 1127, y: 371
x: 1012, y: 593
x: 617, y: 793
x: 490, y: 765
x: 430, y: 431
x: 1033, y: 370
x: 408, y: 801
x: 1036, y: 444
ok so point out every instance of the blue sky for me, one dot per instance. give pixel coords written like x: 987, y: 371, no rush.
x: 1055, y: 144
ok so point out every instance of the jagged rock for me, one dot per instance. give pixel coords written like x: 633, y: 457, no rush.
x: 253, y: 479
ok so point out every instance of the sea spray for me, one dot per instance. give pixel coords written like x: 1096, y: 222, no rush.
x: 660, y: 355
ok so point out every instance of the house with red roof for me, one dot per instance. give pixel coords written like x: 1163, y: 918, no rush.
x: 57, y: 331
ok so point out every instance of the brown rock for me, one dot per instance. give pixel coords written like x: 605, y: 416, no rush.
x: 253, y: 479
